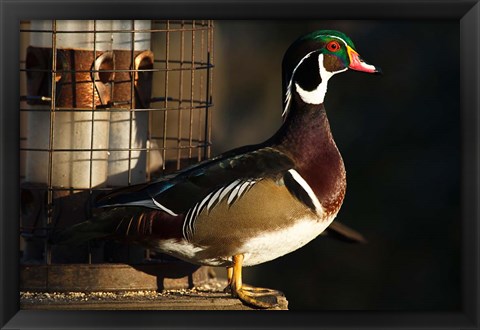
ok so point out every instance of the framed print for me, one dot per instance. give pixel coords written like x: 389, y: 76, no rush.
x: 188, y: 81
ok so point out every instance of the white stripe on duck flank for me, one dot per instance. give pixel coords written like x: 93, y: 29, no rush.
x: 234, y: 191
x: 306, y: 187
x: 163, y: 208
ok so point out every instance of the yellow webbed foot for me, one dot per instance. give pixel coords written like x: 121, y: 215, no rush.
x: 254, y: 297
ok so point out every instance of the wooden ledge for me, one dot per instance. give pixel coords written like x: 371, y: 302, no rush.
x: 112, y: 277
x: 208, y: 296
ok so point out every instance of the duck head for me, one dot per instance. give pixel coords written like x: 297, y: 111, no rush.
x: 313, y: 59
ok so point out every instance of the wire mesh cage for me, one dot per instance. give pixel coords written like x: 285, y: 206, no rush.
x: 105, y: 104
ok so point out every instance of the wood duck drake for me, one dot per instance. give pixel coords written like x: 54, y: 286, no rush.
x: 255, y: 203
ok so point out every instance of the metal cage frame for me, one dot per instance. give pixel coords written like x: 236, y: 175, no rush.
x: 178, y: 105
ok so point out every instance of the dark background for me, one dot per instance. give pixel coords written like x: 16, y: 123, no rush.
x: 399, y: 135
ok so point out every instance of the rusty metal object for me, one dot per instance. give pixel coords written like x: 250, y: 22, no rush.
x: 74, y: 87
x: 104, y: 76
x: 78, y: 86
x: 143, y: 79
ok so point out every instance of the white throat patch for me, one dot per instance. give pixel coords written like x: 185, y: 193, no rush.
x: 318, y: 94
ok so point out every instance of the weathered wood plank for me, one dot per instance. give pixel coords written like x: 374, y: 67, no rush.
x: 111, y: 277
x: 209, y: 296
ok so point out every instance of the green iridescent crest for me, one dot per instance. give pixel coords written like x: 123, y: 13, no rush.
x: 325, y: 34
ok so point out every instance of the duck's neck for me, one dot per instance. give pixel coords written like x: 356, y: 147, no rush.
x: 306, y: 137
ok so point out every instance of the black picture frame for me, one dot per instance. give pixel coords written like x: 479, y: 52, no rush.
x: 466, y: 12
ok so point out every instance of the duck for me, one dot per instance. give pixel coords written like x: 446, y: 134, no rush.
x: 252, y: 204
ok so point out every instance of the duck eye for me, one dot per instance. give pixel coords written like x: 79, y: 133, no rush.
x: 333, y: 46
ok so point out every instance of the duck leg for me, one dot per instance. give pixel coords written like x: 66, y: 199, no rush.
x: 228, y: 288
x: 246, y: 295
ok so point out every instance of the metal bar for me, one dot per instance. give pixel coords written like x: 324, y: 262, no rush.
x: 147, y: 255
x: 200, y: 89
x: 183, y: 147
x: 92, y: 108
x: 112, y: 108
x: 207, y: 119
x: 132, y: 100
x: 116, y: 31
x: 112, y: 149
x: 48, y: 249
x: 180, y: 97
x: 208, y: 101
x: 192, y: 91
x: 92, y: 128
x: 165, y: 116
x: 200, y: 105
x: 149, y: 139
x: 69, y: 189
x: 201, y: 66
